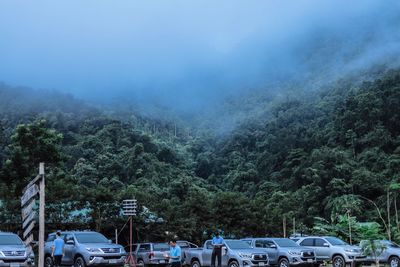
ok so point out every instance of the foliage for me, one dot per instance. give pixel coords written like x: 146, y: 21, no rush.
x: 307, y: 154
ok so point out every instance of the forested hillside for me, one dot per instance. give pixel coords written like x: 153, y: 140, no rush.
x: 324, y: 153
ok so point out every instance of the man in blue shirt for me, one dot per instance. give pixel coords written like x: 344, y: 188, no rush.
x: 217, y: 243
x: 175, y: 254
x: 58, y: 250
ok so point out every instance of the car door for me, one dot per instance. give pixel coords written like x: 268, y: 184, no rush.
x: 207, y: 253
x: 69, y: 250
x: 323, y: 248
x: 265, y: 245
x: 310, y: 243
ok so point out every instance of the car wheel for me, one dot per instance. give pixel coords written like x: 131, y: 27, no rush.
x: 233, y: 264
x: 48, y: 261
x: 141, y: 263
x: 196, y: 264
x: 283, y: 262
x: 316, y: 265
x: 79, y: 262
x: 338, y: 261
x: 394, y: 261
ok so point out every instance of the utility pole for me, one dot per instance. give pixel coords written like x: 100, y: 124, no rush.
x: 129, y: 207
x: 294, y: 226
x: 41, y: 214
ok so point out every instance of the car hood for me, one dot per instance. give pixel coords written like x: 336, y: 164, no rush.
x: 12, y: 247
x: 101, y: 245
x: 350, y: 247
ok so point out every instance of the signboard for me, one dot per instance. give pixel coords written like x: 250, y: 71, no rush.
x: 129, y: 207
x: 27, y: 210
x: 29, y: 229
x: 29, y: 240
x: 34, y: 181
x: 28, y: 219
x: 29, y: 193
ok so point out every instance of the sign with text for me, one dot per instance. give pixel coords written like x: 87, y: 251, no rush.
x: 29, y: 193
x: 28, y: 209
x: 29, y: 229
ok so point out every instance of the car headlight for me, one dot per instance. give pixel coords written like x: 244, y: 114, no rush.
x: 350, y: 250
x: 2, y: 254
x: 245, y: 256
x: 297, y: 253
x: 93, y: 250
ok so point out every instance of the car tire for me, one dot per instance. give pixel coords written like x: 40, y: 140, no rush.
x: 79, y: 262
x: 338, y: 261
x: 283, y: 263
x: 233, y: 264
x: 195, y: 264
x: 316, y: 265
x: 394, y: 261
x: 141, y: 263
x: 48, y: 261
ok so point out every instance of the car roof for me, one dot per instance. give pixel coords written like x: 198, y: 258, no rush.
x: 75, y: 232
x: 7, y: 233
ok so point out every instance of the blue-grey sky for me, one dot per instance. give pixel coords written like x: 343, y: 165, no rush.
x: 188, y: 53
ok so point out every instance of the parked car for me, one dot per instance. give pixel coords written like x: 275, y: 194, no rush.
x: 86, y: 248
x: 151, y: 254
x: 236, y: 253
x: 13, y: 252
x: 284, y: 252
x: 329, y: 248
x: 390, y: 254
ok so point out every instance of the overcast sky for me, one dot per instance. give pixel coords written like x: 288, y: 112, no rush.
x: 187, y: 51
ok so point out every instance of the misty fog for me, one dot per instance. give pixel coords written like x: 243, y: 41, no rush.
x: 190, y: 55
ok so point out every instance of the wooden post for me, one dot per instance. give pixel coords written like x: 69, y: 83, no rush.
x: 116, y: 236
x: 284, y: 227
x: 294, y: 226
x: 41, y: 214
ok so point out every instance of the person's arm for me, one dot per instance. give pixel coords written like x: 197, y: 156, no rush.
x: 52, y: 250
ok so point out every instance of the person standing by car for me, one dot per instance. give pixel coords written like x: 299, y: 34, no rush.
x: 217, y: 243
x: 58, y: 250
x: 175, y: 254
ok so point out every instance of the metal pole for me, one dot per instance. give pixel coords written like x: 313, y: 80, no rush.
x: 41, y: 214
x: 116, y: 236
x: 130, y: 237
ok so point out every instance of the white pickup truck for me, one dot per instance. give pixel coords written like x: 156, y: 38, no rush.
x: 235, y: 253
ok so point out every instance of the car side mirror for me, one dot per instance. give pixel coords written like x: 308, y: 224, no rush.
x: 70, y: 242
x: 273, y: 246
x: 325, y: 244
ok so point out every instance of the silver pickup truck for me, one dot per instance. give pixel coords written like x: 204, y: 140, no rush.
x: 284, y: 252
x: 13, y: 252
x: 235, y: 253
x: 151, y: 254
x: 390, y: 254
x: 329, y: 248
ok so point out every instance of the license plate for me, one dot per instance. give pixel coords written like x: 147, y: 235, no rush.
x: 261, y: 264
x: 309, y: 260
x: 162, y: 261
x: 112, y: 261
x: 14, y: 265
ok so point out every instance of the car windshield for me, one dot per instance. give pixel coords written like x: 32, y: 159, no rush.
x: 161, y: 246
x: 10, y: 240
x: 390, y: 244
x: 91, y: 238
x: 285, y: 242
x: 237, y: 244
x: 336, y: 241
